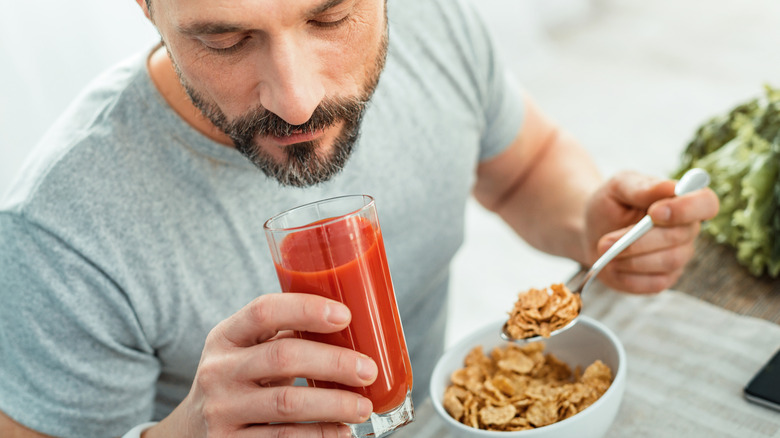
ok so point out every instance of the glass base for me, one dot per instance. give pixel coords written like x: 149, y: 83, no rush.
x: 379, y: 425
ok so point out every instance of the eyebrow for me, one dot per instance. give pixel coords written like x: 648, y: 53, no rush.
x: 209, y: 28
x: 324, y: 7
x: 214, y: 28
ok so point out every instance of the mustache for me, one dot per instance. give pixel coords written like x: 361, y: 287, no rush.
x: 261, y: 121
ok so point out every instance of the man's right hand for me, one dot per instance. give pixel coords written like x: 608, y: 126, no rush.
x: 244, y: 382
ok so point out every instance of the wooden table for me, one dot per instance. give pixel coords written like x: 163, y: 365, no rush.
x: 714, y: 275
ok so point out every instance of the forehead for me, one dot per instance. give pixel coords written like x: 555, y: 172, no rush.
x: 182, y: 12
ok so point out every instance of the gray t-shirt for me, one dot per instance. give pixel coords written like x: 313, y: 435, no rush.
x: 128, y: 235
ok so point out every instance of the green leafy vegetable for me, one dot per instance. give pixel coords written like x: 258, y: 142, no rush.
x: 741, y: 151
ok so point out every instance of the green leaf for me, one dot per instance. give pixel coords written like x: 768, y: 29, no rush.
x: 741, y: 151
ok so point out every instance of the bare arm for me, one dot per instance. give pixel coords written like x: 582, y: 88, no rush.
x: 11, y: 429
x: 547, y: 188
x: 540, y: 186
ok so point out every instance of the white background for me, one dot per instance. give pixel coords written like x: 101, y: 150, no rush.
x: 632, y: 79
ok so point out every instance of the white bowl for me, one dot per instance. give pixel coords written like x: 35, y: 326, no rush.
x: 585, y: 342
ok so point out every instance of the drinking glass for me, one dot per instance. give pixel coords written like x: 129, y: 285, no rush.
x: 334, y: 248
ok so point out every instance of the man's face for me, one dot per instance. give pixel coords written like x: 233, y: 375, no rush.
x: 287, y: 81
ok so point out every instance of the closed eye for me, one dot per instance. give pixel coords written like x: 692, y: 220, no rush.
x: 329, y: 24
x: 224, y: 50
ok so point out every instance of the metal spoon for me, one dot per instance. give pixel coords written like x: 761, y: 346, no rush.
x: 692, y: 180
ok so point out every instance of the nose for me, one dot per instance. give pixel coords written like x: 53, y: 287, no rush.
x: 290, y: 85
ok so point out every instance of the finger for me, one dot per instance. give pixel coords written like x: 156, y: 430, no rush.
x: 309, y: 430
x: 698, y: 206
x: 661, y: 261
x: 639, y: 190
x: 309, y: 359
x: 658, y: 238
x: 266, y: 315
x: 301, y: 403
x: 641, y: 283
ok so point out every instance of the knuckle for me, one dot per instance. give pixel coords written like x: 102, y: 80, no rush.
x: 260, y: 309
x: 618, y: 178
x: 314, y: 307
x: 286, y: 401
x: 212, y: 414
x: 216, y: 337
x: 326, y: 430
x: 279, y: 355
x: 348, y: 405
x: 209, y: 412
x: 345, y: 360
x: 214, y: 334
x: 284, y: 431
x: 208, y: 375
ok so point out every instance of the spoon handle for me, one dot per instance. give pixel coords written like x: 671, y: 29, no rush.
x: 693, y: 179
x: 637, y: 231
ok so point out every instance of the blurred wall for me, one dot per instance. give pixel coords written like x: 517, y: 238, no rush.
x: 50, y: 50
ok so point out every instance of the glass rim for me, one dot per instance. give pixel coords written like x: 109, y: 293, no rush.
x: 267, y: 225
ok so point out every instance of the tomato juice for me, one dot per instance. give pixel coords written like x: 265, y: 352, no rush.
x: 345, y: 260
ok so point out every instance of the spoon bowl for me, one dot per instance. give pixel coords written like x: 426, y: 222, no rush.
x: 692, y: 180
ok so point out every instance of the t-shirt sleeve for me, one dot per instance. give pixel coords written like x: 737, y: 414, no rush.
x: 500, y: 95
x: 73, y: 358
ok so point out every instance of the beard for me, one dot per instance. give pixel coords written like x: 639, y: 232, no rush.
x: 307, y: 163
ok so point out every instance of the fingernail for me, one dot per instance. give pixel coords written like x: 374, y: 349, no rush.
x: 337, y: 314
x: 364, y: 407
x: 366, y: 368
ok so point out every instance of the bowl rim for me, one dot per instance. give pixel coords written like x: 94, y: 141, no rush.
x: 466, y: 341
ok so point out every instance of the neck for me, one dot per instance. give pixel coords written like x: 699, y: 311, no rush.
x: 170, y: 88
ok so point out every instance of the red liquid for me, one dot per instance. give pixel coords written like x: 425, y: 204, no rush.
x: 354, y: 272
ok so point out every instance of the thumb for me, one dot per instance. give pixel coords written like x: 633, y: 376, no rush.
x: 637, y: 190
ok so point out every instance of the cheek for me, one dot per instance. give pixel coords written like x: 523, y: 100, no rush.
x: 350, y: 60
x: 231, y: 86
x: 342, y: 71
x: 350, y: 63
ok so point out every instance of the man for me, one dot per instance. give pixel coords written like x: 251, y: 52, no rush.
x: 136, y: 278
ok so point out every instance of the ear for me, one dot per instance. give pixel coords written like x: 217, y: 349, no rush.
x: 142, y: 4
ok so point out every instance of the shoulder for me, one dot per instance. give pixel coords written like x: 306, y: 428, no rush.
x: 447, y: 37
x: 442, y: 53
x: 89, y: 147
x: 416, y: 11
x: 86, y: 180
x: 442, y: 21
